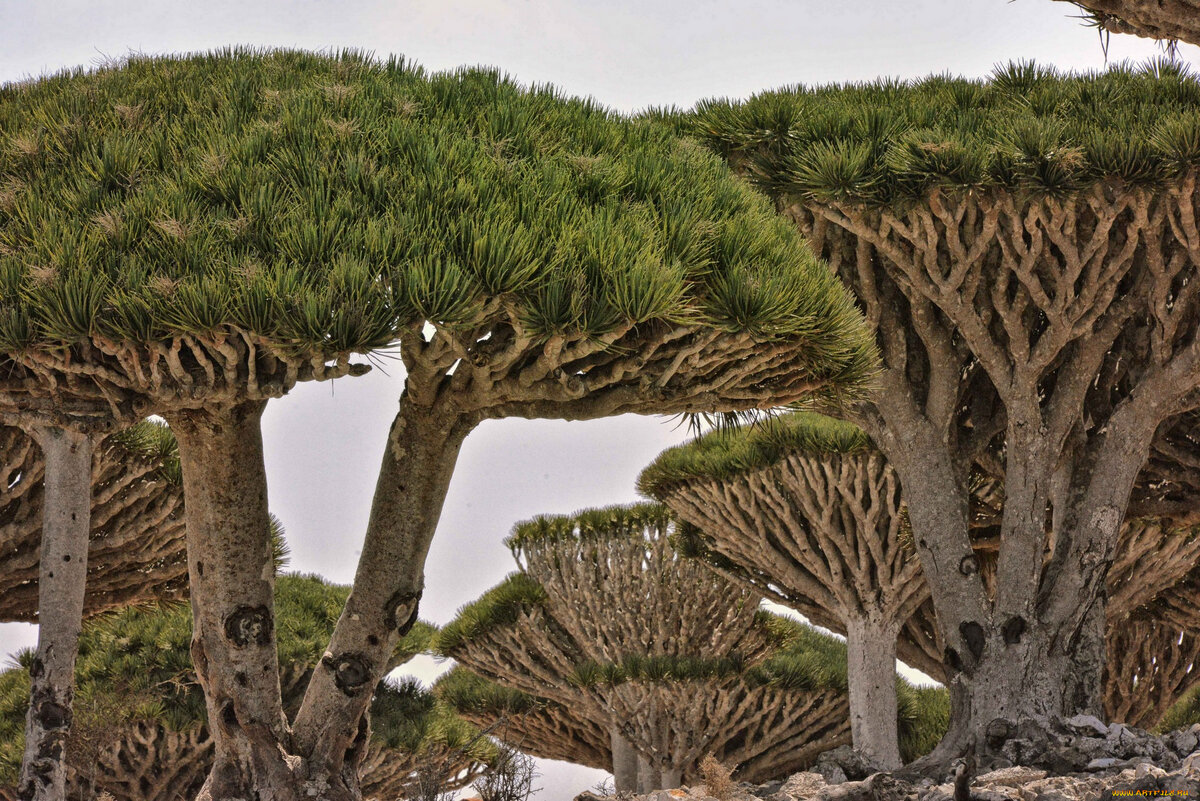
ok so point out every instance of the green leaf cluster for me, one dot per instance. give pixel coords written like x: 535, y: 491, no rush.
x: 500, y: 606
x: 726, y: 452
x: 467, y: 692
x: 1027, y: 128
x: 604, y: 523
x: 153, y: 440
x: 331, y: 201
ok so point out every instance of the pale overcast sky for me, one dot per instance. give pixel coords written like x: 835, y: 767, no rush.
x: 324, y: 442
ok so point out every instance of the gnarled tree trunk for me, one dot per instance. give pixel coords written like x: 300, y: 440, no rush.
x: 66, y: 524
x: 871, y: 680
x: 231, y: 571
x: 624, y: 763
x: 419, y: 460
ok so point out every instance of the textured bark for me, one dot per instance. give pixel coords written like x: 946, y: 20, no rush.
x: 624, y: 763
x: 62, y: 580
x: 231, y: 572
x: 1153, y: 19
x: 871, y: 676
x: 417, y: 466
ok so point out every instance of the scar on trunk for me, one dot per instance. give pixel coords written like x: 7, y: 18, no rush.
x: 249, y: 625
x: 1012, y: 630
x: 953, y: 660
x: 351, y: 672
x: 968, y: 566
x: 972, y: 634
x: 401, y: 599
x: 53, y: 715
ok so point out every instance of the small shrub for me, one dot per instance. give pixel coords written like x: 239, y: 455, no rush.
x: 511, y: 779
x: 718, y: 779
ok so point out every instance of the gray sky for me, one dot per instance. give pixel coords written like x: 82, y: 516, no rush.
x: 324, y: 441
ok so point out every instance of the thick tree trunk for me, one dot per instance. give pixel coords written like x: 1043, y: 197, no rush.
x: 231, y: 573
x: 1031, y: 677
x: 418, y: 463
x: 624, y: 763
x: 66, y: 523
x: 672, y: 777
x: 649, y: 776
x: 871, y: 677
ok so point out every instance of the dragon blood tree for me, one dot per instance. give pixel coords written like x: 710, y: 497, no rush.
x: 222, y: 226
x: 136, y: 547
x: 141, y: 732
x: 606, y: 621
x: 552, y: 730
x: 1025, y: 247
x: 804, y: 511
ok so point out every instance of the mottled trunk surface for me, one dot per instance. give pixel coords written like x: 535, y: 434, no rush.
x: 66, y: 523
x: 1022, y: 678
x: 624, y: 763
x: 423, y: 445
x: 649, y: 777
x: 232, y: 580
x: 871, y: 681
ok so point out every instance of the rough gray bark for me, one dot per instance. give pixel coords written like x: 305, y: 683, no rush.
x: 232, y: 579
x: 871, y: 679
x: 417, y: 466
x: 62, y: 579
x: 624, y: 763
x: 649, y: 776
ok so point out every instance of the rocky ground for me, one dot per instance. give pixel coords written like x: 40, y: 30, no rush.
x: 1077, y: 760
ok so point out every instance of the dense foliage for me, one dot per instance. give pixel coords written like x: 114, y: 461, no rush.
x: 730, y: 451
x: 1027, y: 127
x: 332, y: 201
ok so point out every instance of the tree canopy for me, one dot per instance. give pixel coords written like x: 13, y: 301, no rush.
x: 172, y: 215
x: 1027, y: 128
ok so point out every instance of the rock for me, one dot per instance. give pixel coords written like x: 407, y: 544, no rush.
x: 800, y: 786
x: 1184, y: 741
x: 1147, y: 769
x: 1105, y: 764
x: 1191, y: 764
x: 844, y: 764
x: 1088, y: 722
x: 1010, y: 777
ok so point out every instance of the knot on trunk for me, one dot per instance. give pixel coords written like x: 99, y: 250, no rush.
x: 1012, y: 630
x: 249, y: 625
x: 351, y: 672
x: 968, y: 566
x: 53, y: 715
x: 400, y: 611
x: 972, y: 634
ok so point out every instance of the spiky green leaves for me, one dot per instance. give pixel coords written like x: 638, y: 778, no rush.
x: 331, y: 202
x: 1028, y: 128
x: 502, y: 605
x: 727, y: 452
x: 590, y: 524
